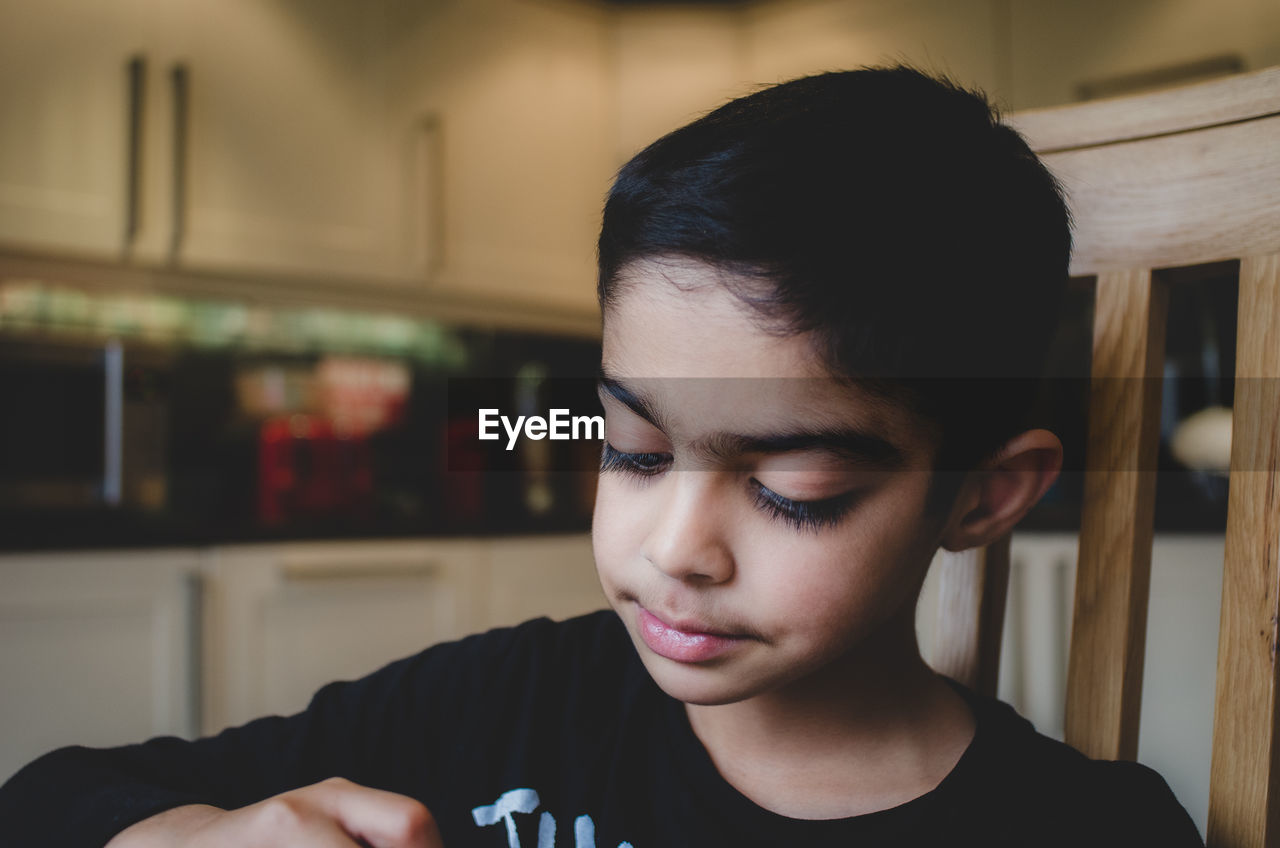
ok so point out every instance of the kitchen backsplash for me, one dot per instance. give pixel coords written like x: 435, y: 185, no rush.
x: 144, y: 419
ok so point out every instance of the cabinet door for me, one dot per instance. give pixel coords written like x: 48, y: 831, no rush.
x: 290, y: 166
x: 283, y: 620
x: 516, y: 97
x: 530, y: 577
x: 95, y: 649
x: 64, y: 121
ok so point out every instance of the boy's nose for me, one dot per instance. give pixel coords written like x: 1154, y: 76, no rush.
x: 687, y: 541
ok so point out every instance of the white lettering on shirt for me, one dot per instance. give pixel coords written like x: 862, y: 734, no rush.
x: 525, y: 801
x: 515, y: 801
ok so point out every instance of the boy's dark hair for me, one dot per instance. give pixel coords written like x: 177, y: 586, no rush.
x: 887, y: 212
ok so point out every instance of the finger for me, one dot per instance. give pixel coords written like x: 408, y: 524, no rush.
x: 380, y: 818
x: 291, y: 820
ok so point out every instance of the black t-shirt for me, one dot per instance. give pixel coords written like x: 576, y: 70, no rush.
x: 553, y: 734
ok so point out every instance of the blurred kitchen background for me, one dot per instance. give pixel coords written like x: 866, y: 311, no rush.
x: 247, y: 246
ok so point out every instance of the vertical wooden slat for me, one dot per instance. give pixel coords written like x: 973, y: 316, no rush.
x: 1108, y: 633
x: 1243, y: 778
x: 972, y: 589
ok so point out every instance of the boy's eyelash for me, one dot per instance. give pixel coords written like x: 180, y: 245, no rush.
x: 802, y: 515
x: 639, y: 464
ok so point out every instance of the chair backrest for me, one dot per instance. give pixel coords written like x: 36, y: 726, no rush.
x: 1157, y: 183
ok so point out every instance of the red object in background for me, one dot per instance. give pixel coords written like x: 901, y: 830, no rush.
x: 307, y: 470
x: 464, y: 471
x: 360, y: 395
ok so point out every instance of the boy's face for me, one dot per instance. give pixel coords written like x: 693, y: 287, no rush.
x: 759, y: 526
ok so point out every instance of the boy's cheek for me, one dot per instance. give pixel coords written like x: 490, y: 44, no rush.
x: 616, y: 527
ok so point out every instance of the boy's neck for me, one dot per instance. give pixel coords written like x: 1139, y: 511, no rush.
x: 880, y: 731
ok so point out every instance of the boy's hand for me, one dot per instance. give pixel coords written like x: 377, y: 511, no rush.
x: 334, y: 813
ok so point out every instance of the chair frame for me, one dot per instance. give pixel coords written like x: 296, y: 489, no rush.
x: 1161, y: 185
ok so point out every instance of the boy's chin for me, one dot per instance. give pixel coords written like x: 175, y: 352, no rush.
x: 700, y: 685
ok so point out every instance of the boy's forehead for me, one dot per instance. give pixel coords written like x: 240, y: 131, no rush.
x: 686, y: 347
x: 678, y: 318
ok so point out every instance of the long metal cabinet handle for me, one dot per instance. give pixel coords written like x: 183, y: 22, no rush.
x: 113, y: 422
x: 136, y: 73
x: 193, y: 599
x: 181, y: 80
x: 305, y: 571
x: 429, y: 200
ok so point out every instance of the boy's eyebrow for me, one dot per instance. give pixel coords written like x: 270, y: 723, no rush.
x: 859, y: 447
x: 636, y: 403
x: 866, y: 450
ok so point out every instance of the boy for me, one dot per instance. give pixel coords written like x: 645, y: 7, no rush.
x: 859, y: 245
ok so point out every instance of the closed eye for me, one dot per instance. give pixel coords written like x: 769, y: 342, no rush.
x: 638, y: 464
x: 803, y: 515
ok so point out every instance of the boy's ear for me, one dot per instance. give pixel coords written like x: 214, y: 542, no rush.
x: 995, y: 497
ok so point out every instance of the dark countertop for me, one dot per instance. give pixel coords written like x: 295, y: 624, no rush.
x: 87, y: 529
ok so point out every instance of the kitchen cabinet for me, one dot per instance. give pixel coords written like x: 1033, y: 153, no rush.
x: 508, y: 106
x: 259, y: 128
x: 96, y: 648
x: 553, y: 576
x: 459, y: 151
x: 283, y: 620
x: 64, y: 121
x: 105, y: 648
x: 290, y: 163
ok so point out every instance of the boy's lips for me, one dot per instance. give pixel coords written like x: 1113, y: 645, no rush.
x: 683, y: 640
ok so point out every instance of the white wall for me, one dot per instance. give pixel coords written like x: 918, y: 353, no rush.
x: 1056, y: 45
x: 677, y: 62
x: 671, y: 65
x: 958, y: 37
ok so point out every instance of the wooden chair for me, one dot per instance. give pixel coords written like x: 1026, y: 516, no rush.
x: 1160, y: 182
